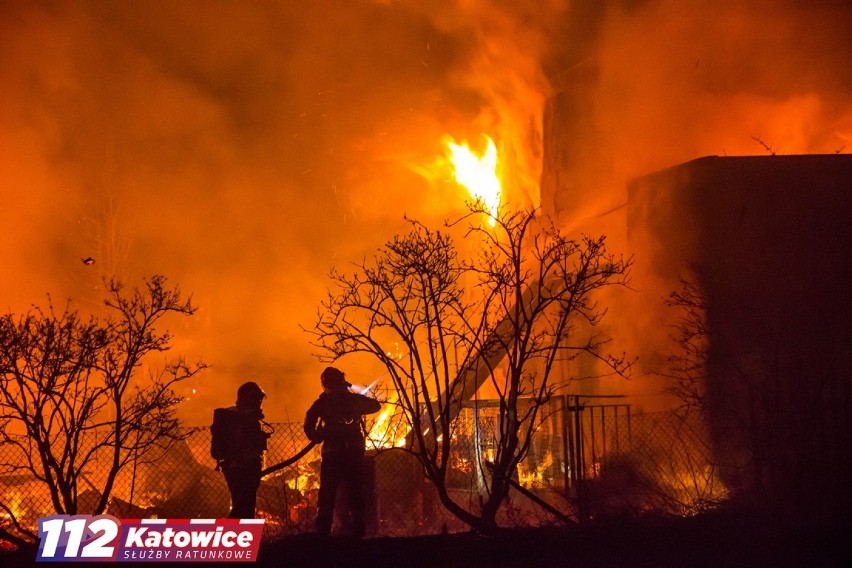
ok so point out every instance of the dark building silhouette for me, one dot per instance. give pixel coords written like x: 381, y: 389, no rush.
x: 769, y: 241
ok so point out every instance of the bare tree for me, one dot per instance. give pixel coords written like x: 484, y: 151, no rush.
x: 755, y: 419
x: 70, y: 392
x: 509, y: 316
x: 730, y: 401
x: 687, y: 365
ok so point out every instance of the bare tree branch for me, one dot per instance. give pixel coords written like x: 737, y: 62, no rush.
x: 523, y: 303
x: 63, y: 378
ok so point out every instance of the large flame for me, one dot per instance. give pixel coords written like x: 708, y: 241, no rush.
x: 477, y: 173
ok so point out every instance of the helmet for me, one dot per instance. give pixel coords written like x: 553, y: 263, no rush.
x: 249, y: 393
x: 332, y: 378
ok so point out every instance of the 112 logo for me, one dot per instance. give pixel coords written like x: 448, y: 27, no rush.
x: 76, y: 537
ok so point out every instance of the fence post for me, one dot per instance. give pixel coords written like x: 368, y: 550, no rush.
x: 581, y: 465
x: 566, y: 445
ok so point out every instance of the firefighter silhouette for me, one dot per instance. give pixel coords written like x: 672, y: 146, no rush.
x: 336, y: 419
x: 238, y: 441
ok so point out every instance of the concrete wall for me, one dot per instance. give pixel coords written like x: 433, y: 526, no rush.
x: 769, y: 241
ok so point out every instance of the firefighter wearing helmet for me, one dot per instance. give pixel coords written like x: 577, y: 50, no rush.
x: 336, y: 419
x: 239, y: 437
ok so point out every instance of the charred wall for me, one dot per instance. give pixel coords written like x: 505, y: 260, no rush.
x: 768, y: 240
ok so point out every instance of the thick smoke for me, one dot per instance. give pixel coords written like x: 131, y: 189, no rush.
x: 659, y: 83
x: 654, y: 84
x: 244, y: 148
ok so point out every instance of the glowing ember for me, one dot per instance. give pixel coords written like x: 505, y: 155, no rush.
x: 477, y: 173
x: 535, y: 475
x: 304, y: 480
x: 16, y: 509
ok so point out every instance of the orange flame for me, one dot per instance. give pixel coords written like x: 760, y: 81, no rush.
x: 478, y: 174
x: 389, y: 430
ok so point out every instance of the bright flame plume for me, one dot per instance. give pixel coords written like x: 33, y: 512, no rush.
x: 478, y: 174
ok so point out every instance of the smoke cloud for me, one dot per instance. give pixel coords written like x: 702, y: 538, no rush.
x: 242, y: 149
x: 659, y: 83
x: 656, y: 84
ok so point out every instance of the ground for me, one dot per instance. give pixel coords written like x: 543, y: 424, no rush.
x: 717, y: 540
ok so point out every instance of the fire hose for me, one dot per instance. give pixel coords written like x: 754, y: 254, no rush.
x: 289, y: 461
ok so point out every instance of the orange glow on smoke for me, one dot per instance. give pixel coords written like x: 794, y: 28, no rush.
x: 477, y: 173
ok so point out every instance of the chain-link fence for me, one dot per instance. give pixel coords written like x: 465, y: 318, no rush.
x: 585, y: 460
